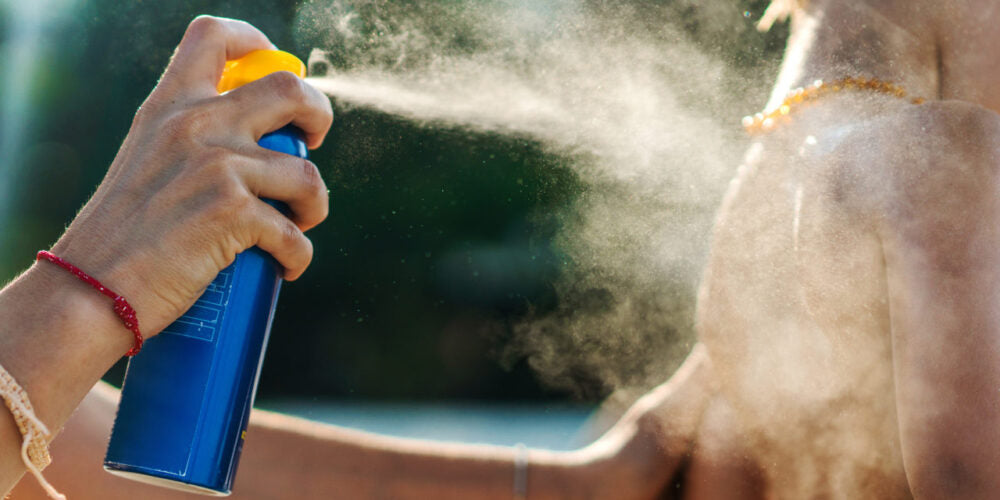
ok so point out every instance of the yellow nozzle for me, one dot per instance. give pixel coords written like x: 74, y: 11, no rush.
x: 257, y: 65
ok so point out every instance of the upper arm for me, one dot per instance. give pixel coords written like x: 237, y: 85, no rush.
x: 941, y: 237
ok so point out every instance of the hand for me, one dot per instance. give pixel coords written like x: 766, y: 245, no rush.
x: 182, y: 196
x: 657, y: 433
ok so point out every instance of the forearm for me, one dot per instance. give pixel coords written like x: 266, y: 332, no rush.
x: 57, y: 337
x: 287, y: 457
x: 330, y: 461
x: 634, y: 460
x: 60, y: 336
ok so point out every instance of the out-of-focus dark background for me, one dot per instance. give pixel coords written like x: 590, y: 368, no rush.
x: 439, y: 238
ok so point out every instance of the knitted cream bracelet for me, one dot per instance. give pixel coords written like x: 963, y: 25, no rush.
x: 35, y: 447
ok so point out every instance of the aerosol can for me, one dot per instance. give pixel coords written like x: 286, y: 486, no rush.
x: 187, y: 396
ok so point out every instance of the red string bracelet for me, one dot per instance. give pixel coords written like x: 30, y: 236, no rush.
x: 122, y: 308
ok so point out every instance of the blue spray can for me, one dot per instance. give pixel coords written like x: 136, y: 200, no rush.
x: 187, y: 395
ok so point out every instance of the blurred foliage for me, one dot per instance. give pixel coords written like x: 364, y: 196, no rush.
x: 439, y: 238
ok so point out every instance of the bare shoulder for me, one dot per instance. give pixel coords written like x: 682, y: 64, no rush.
x: 943, y: 130
x: 935, y: 158
x: 930, y: 173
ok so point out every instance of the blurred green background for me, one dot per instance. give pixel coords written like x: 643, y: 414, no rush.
x: 439, y: 239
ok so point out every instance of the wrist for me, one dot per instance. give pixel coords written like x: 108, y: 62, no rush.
x: 58, y: 337
x: 122, y: 308
x: 81, y: 311
x: 104, y: 263
x: 130, y: 273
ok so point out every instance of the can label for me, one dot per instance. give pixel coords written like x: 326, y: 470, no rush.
x: 187, y: 396
x: 203, y: 319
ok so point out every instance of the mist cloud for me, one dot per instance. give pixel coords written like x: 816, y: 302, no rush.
x: 645, y: 113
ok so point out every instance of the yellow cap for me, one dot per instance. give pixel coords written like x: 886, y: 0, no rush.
x: 257, y: 65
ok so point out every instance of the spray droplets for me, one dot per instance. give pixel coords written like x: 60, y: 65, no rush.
x: 647, y: 119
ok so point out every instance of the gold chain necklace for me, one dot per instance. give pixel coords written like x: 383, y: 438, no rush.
x: 767, y: 121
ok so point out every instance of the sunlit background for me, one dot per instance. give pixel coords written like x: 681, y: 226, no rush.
x: 440, y: 241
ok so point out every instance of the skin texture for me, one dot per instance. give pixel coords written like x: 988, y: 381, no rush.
x: 850, y: 303
x: 848, y: 314
x: 178, y: 203
x: 181, y: 199
x: 286, y: 457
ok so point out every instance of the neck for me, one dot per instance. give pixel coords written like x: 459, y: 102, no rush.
x: 835, y: 39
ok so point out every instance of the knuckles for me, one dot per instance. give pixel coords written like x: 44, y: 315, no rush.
x: 189, y: 179
x: 327, y: 112
x: 287, y: 86
x: 301, y: 250
x: 314, y: 189
x: 187, y: 125
x: 231, y: 200
x: 286, y: 242
x: 212, y: 168
x: 290, y: 236
x: 215, y: 164
x: 205, y: 27
x: 228, y: 206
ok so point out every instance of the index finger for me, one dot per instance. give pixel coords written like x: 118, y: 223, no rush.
x: 278, y: 99
x: 207, y: 44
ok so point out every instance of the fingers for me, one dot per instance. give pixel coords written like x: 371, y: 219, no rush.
x: 207, y: 44
x: 280, y: 237
x: 222, y: 123
x: 261, y: 106
x: 278, y: 99
x: 293, y: 180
